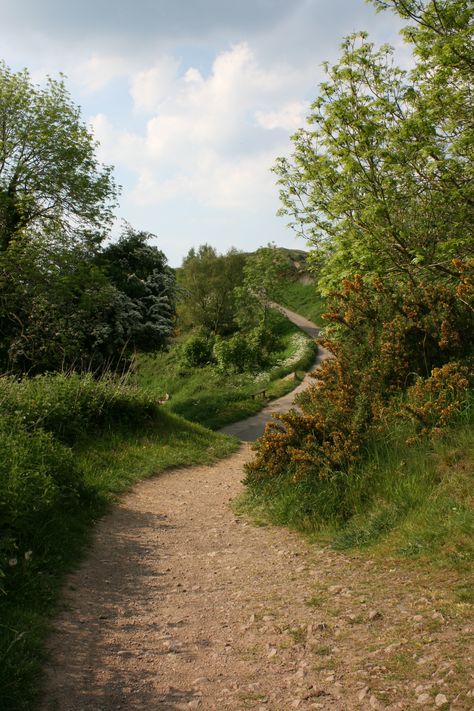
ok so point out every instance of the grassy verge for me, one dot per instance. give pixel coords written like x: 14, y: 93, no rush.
x: 51, y: 493
x: 213, y: 398
x: 403, y: 500
x: 304, y: 299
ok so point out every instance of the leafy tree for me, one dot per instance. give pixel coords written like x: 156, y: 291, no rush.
x: 383, y: 181
x: 50, y: 179
x: 265, y: 273
x: 208, y: 280
x: 53, y: 304
x: 146, y: 288
x: 67, y: 309
x: 382, y: 184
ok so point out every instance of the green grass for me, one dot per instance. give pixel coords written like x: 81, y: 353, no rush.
x: 215, y: 399
x: 109, y: 463
x: 403, y: 500
x: 304, y: 299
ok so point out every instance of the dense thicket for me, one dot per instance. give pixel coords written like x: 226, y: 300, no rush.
x: 227, y: 299
x: 208, y: 280
x: 382, y: 185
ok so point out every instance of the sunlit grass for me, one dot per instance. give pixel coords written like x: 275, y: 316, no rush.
x: 213, y: 398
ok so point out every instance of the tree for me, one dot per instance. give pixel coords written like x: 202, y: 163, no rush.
x: 63, y: 309
x: 55, y: 309
x: 265, y: 272
x: 383, y: 181
x: 208, y: 280
x: 146, y: 287
x: 383, y: 186
x: 50, y: 178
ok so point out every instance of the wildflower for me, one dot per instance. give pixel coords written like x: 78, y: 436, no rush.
x: 28, y: 555
x: 12, y: 562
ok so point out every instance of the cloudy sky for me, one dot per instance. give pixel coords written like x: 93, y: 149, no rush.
x: 191, y: 100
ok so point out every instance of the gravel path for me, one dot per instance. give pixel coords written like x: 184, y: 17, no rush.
x: 181, y: 604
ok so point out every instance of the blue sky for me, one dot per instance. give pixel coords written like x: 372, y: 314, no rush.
x: 191, y: 100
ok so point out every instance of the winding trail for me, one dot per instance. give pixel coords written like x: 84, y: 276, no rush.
x: 251, y: 428
x: 181, y: 604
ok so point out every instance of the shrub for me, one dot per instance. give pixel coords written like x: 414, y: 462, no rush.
x: 400, y: 352
x: 232, y: 354
x: 197, y: 350
x: 37, y: 474
x: 245, y: 351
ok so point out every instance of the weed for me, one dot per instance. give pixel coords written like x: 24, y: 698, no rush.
x: 323, y: 651
x: 315, y: 601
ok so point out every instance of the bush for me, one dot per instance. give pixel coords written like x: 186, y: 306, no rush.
x: 232, y: 354
x: 197, y: 351
x: 37, y: 474
x: 245, y: 351
x: 402, y: 356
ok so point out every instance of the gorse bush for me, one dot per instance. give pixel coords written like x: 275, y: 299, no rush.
x: 401, y: 357
x: 380, y: 181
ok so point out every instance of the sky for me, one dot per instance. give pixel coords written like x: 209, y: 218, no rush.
x: 191, y: 101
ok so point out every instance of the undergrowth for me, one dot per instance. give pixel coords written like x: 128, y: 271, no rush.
x: 402, y: 499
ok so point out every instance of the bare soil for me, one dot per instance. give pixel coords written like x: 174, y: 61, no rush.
x: 181, y: 604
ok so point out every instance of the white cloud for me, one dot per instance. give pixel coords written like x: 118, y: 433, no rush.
x: 151, y: 86
x: 206, y: 140
x: 96, y: 72
x: 289, y: 117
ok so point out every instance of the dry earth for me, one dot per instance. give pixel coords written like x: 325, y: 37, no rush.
x: 181, y: 604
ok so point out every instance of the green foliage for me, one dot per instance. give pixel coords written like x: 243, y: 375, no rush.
x: 53, y: 303
x: 50, y: 179
x: 264, y: 273
x: 213, y: 397
x: 207, y: 280
x: 63, y: 303
x: 382, y: 185
x: 146, y: 294
x: 197, y: 350
x: 383, y: 182
x: 63, y: 308
x: 73, y: 406
x: 37, y: 475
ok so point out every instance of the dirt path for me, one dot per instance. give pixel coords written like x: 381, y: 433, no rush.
x: 181, y: 604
